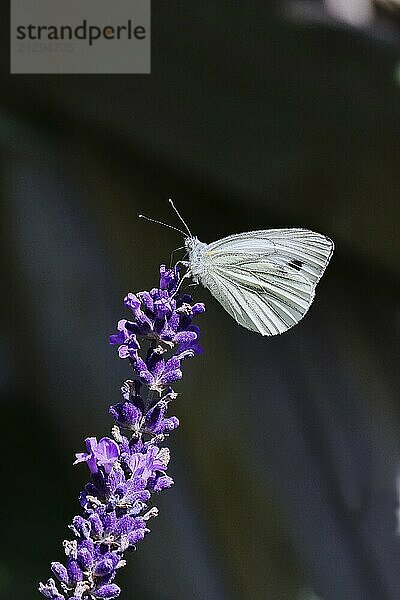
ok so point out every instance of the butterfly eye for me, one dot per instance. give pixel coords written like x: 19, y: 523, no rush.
x: 295, y: 264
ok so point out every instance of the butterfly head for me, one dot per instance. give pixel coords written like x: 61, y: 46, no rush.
x: 191, y: 242
x: 193, y: 246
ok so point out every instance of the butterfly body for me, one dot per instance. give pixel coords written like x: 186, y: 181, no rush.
x: 198, y: 265
x: 265, y: 279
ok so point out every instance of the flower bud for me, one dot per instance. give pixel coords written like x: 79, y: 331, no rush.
x: 59, y: 571
x: 108, y: 591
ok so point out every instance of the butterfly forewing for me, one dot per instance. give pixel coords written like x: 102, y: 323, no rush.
x: 300, y: 249
x: 266, y: 279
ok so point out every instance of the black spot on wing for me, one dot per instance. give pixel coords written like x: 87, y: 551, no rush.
x: 296, y: 264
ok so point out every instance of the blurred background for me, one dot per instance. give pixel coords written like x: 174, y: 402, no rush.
x: 256, y: 114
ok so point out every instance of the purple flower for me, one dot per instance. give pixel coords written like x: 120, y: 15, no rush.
x: 156, y: 422
x: 132, y: 301
x: 158, y: 373
x: 74, y: 571
x: 168, y: 278
x: 159, y: 316
x: 129, y: 414
x: 125, y: 339
x: 162, y: 482
x: 49, y: 590
x: 126, y: 414
x: 102, y: 454
x: 127, y: 469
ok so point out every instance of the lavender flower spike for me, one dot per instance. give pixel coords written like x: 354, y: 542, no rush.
x: 129, y: 467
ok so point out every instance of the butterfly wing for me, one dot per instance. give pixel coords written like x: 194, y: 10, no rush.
x: 266, y: 279
x: 301, y: 250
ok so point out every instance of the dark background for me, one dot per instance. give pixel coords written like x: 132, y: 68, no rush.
x: 255, y: 115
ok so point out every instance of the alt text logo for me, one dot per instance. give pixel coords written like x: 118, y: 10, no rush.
x: 80, y: 36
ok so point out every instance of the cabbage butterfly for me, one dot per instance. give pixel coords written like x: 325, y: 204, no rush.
x: 264, y: 279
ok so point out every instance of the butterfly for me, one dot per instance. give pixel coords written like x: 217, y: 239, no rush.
x: 264, y: 279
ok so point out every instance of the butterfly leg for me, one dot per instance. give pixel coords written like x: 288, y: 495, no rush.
x: 172, y: 254
x: 185, y: 276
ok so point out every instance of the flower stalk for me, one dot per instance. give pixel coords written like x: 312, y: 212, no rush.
x: 130, y: 467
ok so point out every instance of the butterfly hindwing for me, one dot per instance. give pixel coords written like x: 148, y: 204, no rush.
x: 268, y: 301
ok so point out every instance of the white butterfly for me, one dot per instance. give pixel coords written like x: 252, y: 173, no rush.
x: 264, y: 279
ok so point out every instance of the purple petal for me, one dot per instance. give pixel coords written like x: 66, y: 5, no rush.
x: 80, y: 526
x: 132, y: 301
x: 166, y: 277
x: 91, y: 445
x: 89, y: 457
x: 198, y: 308
x: 171, y: 376
x: 49, y: 590
x: 123, y: 352
x: 147, y: 300
x: 158, y: 366
x: 136, y: 536
x: 173, y: 363
x: 142, y: 370
x: 154, y: 416
x: 126, y: 414
x: 115, y: 480
x: 80, y: 457
x: 107, y: 453
x: 97, y: 528
x: 108, y: 447
x: 87, y: 544
x: 124, y: 525
x: 85, y: 559
x: 174, y: 321
x: 184, y: 337
x: 117, y: 338
x: 103, y: 568
x: 144, y: 322
x: 59, y: 571
x: 170, y: 424
x: 74, y: 572
x: 108, y: 591
x: 163, y: 482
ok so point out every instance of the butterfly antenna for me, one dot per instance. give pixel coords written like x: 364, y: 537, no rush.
x: 180, y: 216
x: 161, y: 223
